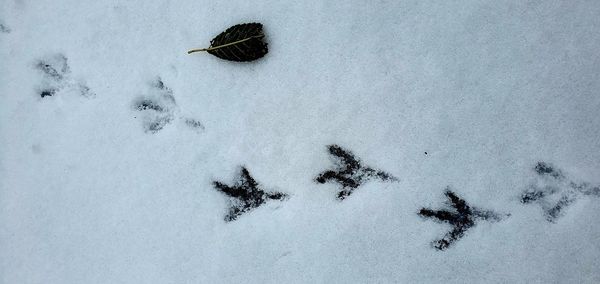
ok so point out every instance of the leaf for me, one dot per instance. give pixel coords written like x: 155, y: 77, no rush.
x: 243, y: 42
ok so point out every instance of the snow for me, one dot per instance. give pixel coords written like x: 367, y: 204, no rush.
x: 91, y: 193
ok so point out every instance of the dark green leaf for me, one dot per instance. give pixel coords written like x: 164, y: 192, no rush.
x: 243, y: 42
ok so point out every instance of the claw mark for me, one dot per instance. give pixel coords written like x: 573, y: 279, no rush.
x: 246, y: 195
x: 462, y: 219
x: 554, y: 192
x: 350, y: 173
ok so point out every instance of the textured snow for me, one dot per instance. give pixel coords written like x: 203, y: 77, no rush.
x: 466, y: 94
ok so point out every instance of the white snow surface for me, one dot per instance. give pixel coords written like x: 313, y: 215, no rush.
x: 487, y: 88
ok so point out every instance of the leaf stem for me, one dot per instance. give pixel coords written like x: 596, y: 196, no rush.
x: 224, y: 45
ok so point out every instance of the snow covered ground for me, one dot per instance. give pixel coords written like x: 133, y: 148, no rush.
x: 111, y: 137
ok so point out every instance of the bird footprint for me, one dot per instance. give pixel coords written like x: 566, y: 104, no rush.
x: 350, y: 173
x: 246, y: 194
x: 57, y: 77
x: 462, y: 218
x: 554, y: 192
x: 158, y: 108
